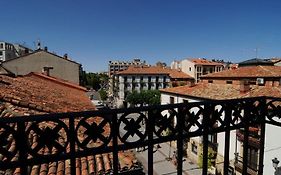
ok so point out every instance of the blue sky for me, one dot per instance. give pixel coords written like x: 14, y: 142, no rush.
x: 93, y: 32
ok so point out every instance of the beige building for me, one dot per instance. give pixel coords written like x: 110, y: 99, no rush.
x: 46, y: 62
x: 197, y: 67
x: 138, y: 78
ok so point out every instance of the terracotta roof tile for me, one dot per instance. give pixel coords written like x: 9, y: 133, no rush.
x: 32, y: 95
x: 223, y: 91
x: 247, y: 72
x: 202, y: 61
x: 155, y: 70
x: 43, y: 94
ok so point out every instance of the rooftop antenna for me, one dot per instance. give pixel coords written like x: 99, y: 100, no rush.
x: 38, y: 44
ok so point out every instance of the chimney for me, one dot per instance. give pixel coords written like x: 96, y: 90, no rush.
x: 244, y: 86
x: 46, y: 48
x: 65, y: 56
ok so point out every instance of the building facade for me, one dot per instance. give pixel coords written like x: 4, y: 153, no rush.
x: 9, y: 51
x: 46, y: 62
x: 117, y: 66
x: 197, y: 67
x: 147, y: 78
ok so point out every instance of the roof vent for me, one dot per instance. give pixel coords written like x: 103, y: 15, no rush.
x: 260, y: 81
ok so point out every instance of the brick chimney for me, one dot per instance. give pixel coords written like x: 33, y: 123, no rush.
x: 244, y: 86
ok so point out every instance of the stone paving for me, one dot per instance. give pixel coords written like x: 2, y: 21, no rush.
x: 162, y: 166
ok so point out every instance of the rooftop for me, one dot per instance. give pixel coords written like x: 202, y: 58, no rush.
x: 247, y: 72
x: 223, y: 91
x: 43, y: 93
x: 203, y: 61
x: 38, y: 94
x: 255, y: 62
x: 154, y: 70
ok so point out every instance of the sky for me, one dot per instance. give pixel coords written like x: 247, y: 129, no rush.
x: 92, y: 32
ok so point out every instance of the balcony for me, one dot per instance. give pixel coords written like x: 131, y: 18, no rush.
x: 71, y: 136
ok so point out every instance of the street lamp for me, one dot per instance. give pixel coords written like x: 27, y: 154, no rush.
x: 275, y: 163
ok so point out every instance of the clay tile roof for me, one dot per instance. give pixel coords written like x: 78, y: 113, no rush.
x: 36, y: 94
x: 223, y: 91
x: 154, y: 70
x: 44, y: 94
x: 202, y: 61
x: 247, y: 72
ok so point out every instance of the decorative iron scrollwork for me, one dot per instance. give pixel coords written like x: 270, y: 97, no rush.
x: 193, y: 119
x: 132, y: 127
x: 165, y: 122
x: 273, y: 112
x: 93, y: 132
x: 7, y: 136
x: 48, y: 137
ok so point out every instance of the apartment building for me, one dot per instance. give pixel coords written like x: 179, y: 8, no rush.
x: 117, y: 66
x: 137, y: 78
x: 197, y: 67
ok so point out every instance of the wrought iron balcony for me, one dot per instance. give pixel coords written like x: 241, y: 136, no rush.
x: 111, y: 131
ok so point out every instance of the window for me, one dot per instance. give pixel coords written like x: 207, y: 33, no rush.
x: 210, y: 81
x: 172, y: 100
x: 1, y: 46
x: 194, y: 148
x: 228, y: 82
x: 185, y: 101
x: 253, y: 158
x: 189, y: 68
x: 1, y: 53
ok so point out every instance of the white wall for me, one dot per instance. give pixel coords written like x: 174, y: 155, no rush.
x: 272, y: 147
x: 185, y: 65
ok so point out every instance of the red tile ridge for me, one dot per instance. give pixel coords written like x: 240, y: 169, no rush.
x: 57, y: 80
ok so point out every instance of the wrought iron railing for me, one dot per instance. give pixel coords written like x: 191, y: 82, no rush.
x: 114, y: 130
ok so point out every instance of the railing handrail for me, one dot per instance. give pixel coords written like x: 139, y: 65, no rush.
x: 231, y: 114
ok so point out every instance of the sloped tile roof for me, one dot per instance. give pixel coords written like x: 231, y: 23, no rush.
x: 154, y: 70
x: 247, y: 72
x: 202, y: 61
x: 36, y: 94
x: 223, y: 91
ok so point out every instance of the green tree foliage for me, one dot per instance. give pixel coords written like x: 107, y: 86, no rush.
x: 211, y: 158
x: 94, y: 80
x: 103, y: 94
x: 148, y: 97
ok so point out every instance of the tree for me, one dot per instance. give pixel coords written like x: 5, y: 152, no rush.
x: 148, y: 97
x: 103, y: 94
x: 94, y: 80
x: 211, y: 158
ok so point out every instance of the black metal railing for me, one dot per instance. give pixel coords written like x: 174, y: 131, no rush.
x: 80, y: 134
